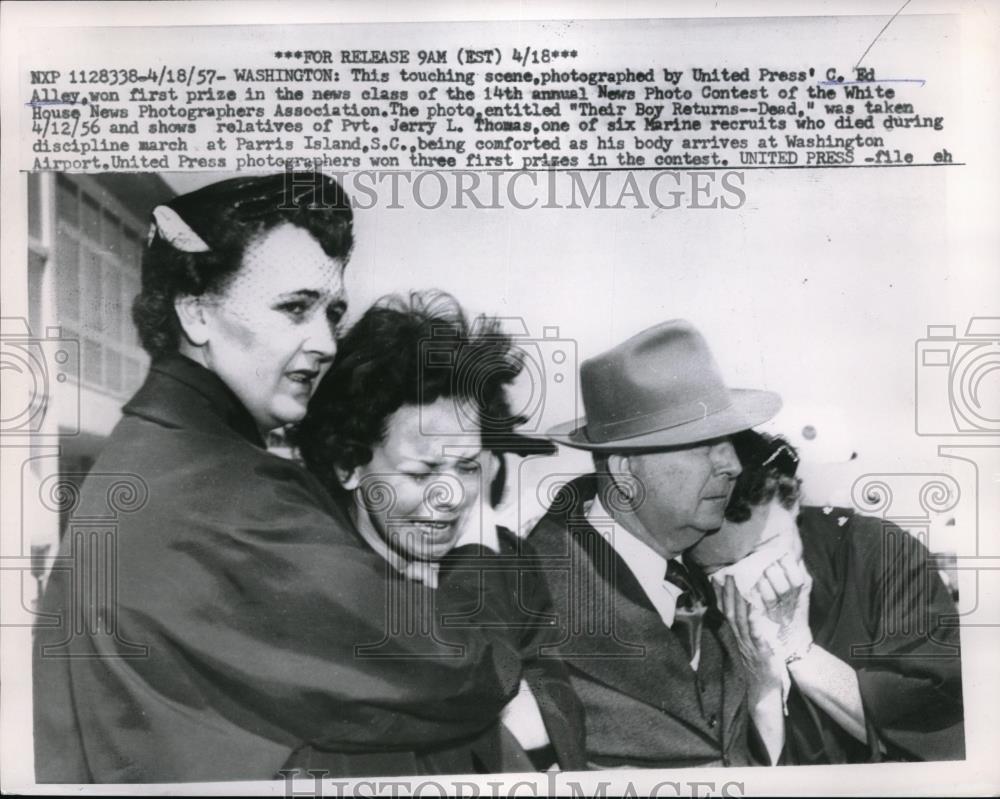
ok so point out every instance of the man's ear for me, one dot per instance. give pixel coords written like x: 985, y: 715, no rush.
x: 191, y: 313
x: 623, y: 480
x: 349, y: 480
x: 619, y: 466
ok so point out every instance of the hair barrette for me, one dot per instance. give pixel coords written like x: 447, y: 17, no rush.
x: 175, y: 231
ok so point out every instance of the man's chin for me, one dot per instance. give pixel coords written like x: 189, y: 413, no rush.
x: 701, y: 533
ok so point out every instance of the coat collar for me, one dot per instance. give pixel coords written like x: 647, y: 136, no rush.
x: 182, y: 394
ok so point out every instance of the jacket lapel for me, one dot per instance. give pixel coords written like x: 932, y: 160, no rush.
x: 613, y: 633
x: 734, y: 685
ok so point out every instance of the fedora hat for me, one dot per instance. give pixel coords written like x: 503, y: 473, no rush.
x: 660, y: 388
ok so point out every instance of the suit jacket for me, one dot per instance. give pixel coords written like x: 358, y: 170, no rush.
x: 642, y: 701
x: 213, y: 612
x: 878, y: 604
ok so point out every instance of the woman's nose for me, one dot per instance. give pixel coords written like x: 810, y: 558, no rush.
x: 321, y: 339
x: 446, y: 493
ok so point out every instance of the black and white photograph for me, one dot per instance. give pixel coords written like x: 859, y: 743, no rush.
x: 490, y: 400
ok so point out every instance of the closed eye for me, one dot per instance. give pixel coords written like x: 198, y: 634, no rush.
x: 468, y: 466
x: 335, y: 312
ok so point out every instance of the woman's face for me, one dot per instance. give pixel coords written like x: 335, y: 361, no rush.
x: 770, y: 528
x: 423, y: 483
x: 270, y: 333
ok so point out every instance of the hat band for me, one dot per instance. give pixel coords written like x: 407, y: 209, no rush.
x: 665, y: 419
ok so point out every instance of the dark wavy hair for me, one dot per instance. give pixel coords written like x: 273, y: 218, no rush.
x: 406, y: 351
x: 228, y: 216
x: 769, y: 465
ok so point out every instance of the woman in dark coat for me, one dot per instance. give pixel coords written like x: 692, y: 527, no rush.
x: 217, y: 617
x: 849, y: 607
x: 408, y: 430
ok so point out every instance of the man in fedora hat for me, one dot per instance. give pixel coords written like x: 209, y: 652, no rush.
x: 649, y: 653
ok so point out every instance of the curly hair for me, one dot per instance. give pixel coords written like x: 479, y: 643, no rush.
x: 769, y: 466
x: 406, y: 351
x: 229, y: 216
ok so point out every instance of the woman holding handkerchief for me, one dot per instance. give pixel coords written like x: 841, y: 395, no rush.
x: 847, y: 608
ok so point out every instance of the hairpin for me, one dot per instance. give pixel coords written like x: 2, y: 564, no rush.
x: 175, y: 231
x: 784, y: 459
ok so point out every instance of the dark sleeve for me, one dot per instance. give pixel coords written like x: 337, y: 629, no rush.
x: 284, y: 620
x: 909, y: 670
x: 561, y: 709
x: 531, y: 624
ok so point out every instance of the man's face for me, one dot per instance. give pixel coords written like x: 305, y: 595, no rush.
x: 685, y: 492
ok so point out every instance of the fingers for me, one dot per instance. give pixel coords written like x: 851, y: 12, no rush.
x: 729, y: 600
x: 758, y: 628
x: 720, y: 596
x: 783, y: 583
x: 734, y: 608
x: 741, y: 614
x: 795, y: 571
x: 776, y: 576
x: 767, y: 593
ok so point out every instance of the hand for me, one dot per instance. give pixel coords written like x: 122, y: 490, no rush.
x: 783, y: 593
x: 756, y: 636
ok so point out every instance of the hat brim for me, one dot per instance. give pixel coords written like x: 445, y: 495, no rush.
x: 749, y: 408
x: 517, y: 444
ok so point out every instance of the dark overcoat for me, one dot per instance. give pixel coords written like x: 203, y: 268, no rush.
x: 878, y: 603
x: 213, y: 612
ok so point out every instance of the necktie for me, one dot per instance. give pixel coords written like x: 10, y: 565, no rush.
x: 690, y: 610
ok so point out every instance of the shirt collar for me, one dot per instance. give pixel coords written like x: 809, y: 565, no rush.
x: 648, y: 565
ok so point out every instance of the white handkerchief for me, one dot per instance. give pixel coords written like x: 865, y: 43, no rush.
x: 747, y: 572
